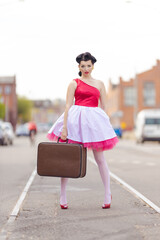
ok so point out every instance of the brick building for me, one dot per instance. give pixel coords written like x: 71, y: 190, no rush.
x: 47, y: 111
x: 127, y: 98
x: 9, y: 98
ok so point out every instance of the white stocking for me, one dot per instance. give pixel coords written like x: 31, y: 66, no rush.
x: 63, y: 198
x: 104, y: 172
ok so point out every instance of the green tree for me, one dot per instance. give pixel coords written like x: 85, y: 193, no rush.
x: 2, y: 111
x: 24, y: 109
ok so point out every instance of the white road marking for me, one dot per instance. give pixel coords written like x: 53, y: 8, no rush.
x: 122, y: 161
x: 136, y: 162
x: 16, y: 209
x: 150, y: 164
x: 146, y: 148
x: 131, y: 189
x: 111, y: 160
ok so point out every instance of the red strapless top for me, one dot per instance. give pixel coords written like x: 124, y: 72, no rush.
x: 86, y: 95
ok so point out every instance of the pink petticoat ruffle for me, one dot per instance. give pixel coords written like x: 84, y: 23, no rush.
x: 99, y: 146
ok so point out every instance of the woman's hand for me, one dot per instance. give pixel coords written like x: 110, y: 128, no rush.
x: 64, y: 133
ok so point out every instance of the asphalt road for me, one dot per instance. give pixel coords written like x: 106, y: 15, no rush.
x: 16, y: 165
x: 40, y: 216
x: 139, y: 166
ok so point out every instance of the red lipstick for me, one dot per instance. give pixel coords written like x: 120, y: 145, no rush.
x: 86, y: 72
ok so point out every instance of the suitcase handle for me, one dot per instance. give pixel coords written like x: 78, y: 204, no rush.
x: 62, y: 140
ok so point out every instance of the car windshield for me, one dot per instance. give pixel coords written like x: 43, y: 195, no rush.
x: 152, y: 121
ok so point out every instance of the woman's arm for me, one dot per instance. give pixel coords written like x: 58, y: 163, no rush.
x: 69, y: 102
x: 103, y: 97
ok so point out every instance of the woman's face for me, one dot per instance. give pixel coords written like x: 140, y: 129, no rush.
x: 86, y: 67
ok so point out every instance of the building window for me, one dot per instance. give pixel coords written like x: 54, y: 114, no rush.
x: 7, y: 90
x: 149, y: 94
x: 1, y: 99
x: 129, y: 96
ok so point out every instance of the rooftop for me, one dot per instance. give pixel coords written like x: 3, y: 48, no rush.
x: 9, y: 79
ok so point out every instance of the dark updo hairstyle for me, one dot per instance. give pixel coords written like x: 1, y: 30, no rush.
x: 85, y: 57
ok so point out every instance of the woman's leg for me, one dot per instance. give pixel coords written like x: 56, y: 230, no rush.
x: 63, y: 197
x: 104, y: 172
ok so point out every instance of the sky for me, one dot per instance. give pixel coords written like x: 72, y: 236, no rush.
x: 40, y: 40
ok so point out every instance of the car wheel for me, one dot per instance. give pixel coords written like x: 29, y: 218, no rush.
x: 140, y: 140
x: 6, y: 142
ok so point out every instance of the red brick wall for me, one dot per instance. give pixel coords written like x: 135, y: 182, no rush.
x: 10, y: 99
x: 116, y: 95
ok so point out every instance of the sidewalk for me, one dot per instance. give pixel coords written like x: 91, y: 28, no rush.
x: 41, y: 218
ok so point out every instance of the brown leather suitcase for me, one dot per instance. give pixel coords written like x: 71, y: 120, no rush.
x: 61, y: 160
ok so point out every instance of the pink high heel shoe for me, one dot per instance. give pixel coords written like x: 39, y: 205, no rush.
x: 64, y: 206
x: 107, y: 205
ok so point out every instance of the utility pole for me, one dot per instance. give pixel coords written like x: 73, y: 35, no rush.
x: 7, y: 110
x: 136, y: 98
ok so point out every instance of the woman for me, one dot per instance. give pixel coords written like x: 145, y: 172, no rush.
x: 86, y: 123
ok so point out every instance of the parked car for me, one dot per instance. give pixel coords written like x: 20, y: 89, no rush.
x: 148, y: 125
x: 25, y: 129
x: 2, y: 133
x: 9, y: 131
x: 6, y: 133
x: 43, y: 127
x: 22, y: 130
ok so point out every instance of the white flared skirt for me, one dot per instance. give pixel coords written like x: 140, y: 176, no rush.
x: 89, y: 126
